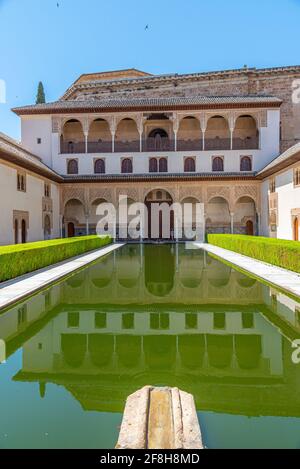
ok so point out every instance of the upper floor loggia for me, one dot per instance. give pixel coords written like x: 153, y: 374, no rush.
x: 210, y: 126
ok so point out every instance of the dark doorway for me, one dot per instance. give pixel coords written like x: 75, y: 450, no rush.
x: 24, y: 232
x: 249, y: 228
x: 71, y: 230
x: 16, y: 232
x: 296, y: 229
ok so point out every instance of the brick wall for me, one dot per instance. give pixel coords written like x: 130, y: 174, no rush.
x: 274, y: 82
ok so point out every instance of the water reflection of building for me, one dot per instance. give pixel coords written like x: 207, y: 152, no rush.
x: 171, y: 274
x: 232, y: 361
x: 201, y: 326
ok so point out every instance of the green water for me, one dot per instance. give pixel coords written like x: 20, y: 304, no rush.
x: 159, y: 315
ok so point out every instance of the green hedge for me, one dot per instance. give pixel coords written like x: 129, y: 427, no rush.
x: 20, y: 259
x: 278, y: 252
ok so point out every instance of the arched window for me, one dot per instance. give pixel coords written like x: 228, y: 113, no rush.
x: 127, y: 166
x: 153, y: 166
x: 72, y: 167
x: 246, y: 163
x: 218, y: 164
x: 158, y: 133
x: 163, y: 165
x: 189, y: 165
x: 99, y: 166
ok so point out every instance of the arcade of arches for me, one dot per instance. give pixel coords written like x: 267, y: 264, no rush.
x: 227, y: 209
x: 159, y: 132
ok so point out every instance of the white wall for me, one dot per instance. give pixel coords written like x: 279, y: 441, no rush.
x: 30, y: 201
x: 288, y: 199
x: 34, y: 127
x: 175, y: 161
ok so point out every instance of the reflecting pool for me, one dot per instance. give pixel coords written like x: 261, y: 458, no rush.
x: 152, y: 314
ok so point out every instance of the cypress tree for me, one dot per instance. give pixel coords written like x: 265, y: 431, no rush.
x: 40, y: 97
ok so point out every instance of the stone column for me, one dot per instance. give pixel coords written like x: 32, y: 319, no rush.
x: 86, y: 136
x: 86, y: 126
x: 176, y: 123
x: 231, y: 121
x: 87, y: 225
x: 113, y: 129
x: 61, y: 225
x: 231, y: 222
x: 258, y: 229
x: 140, y: 127
x: 203, y: 125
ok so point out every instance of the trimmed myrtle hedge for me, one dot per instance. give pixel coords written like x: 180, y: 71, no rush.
x: 278, y: 252
x: 20, y: 259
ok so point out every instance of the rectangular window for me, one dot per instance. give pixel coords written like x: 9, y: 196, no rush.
x: 47, y: 190
x: 248, y: 320
x: 297, y: 177
x: 272, y: 186
x: 128, y: 321
x: 159, y: 321
x: 38, y: 141
x: 219, y: 321
x: 191, y: 321
x: 21, y: 182
x: 100, y: 321
x: 73, y: 320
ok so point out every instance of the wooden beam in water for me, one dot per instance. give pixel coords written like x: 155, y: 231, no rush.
x: 160, y: 418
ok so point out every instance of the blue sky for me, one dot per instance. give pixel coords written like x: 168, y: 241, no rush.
x: 40, y: 41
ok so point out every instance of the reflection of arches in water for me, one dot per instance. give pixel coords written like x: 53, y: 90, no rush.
x: 129, y: 350
x: 218, y: 274
x: 190, y: 282
x: 192, y: 350
x: 128, y: 282
x: 248, y: 351
x: 73, y: 347
x: 244, y: 281
x: 101, y: 273
x: 191, y: 268
x: 128, y: 272
x: 220, y: 350
x: 101, y: 349
x: 160, y: 352
x: 76, y: 280
x: 159, y: 270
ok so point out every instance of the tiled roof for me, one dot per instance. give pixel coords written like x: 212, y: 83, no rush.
x: 12, y: 151
x: 288, y: 157
x: 147, y: 103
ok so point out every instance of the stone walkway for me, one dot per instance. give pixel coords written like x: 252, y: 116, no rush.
x: 16, y: 289
x: 277, y: 276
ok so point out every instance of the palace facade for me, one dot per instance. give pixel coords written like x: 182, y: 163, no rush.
x: 227, y: 139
